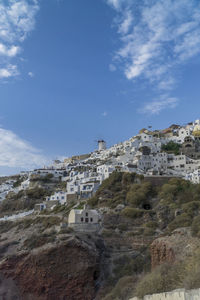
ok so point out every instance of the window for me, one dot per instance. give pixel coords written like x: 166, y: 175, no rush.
x: 81, y: 219
x: 86, y: 220
x: 86, y: 214
x: 91, y: 219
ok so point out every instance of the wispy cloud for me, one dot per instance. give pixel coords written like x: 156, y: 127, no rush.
x: 104, y: 114
x: 156, y: 37
x: 115, y: 3
x: 18, y: 153
x: 155, y: 107
x: 112, y: 68
x: 17, y: 19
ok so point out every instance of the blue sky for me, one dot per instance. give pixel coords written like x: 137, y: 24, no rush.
x: 74, y: 71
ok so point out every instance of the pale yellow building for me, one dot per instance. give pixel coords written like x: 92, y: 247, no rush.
x: 83, y: 216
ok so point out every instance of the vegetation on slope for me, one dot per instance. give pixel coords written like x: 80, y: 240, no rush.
x: 23, y: 200
x: 172, y: 148
x: 167, y: 277
x: 148, y: 211
x: 138, y: 212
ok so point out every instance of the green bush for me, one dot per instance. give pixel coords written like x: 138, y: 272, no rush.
x: 192, y: 208
x: 191, y: 272
x: 113, y: 190
x: 182, y: 220
x: 132, y: 213
x: 122, y: 289
x: 93, y: 202
x: 196, y: 227
x: 139, y: 194
x: 162, y: 279
x: 167, y: 277
x: 151, y: 224
x: 171, y: 147
x: 122, y: 227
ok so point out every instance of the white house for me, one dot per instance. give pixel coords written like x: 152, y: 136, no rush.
x: 73, y: 187
x: 45, y: 171
x: 105, y: 170
x: 194, y: 177
x: 146, y: 137
x: 88, y: 189
x: 182, y: 134
x: 60, y: 196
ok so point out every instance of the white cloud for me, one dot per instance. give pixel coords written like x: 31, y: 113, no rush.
x: 155, y: 107
x: 8, y: 71
x: 156, y: 37
x: 17, y: 153
x: 31, y: 74
x: 8, y: 51
x: 17, y: 19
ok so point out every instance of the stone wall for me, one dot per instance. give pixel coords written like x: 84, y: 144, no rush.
x: 157, y: 180
x: 85, y: 227
x: 180, y: 294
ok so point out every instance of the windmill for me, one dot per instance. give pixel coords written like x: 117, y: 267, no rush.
x: 101, y: 143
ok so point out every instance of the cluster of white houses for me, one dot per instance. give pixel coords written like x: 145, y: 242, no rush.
x: 143, y: 154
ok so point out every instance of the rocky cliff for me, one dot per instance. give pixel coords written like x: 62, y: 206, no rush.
x: 172, y: 248
x: 68, y: 270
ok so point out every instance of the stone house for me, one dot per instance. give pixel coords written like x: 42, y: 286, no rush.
x: 191, y: 147
x: 84, y: 220
x: 80, y: 216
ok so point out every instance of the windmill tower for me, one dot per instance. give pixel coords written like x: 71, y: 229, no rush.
x: 101, y: 145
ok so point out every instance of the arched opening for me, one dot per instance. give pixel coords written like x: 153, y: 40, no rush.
x: 146, y: 206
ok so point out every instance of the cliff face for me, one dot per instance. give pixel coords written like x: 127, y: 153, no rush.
x: 169, y: 249
x: 161, y: 252
x: 67, y: 271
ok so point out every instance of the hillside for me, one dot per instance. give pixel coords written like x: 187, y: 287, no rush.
x: 116, y: 223
x: 146, y: 227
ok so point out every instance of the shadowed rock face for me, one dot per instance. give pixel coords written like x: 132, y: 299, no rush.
x: 65, y: 272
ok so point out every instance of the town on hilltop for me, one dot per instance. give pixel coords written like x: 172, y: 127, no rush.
x: 126, y: 219
x: 174, y: 151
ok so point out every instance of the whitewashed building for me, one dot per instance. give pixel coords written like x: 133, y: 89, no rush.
x: 60, y: 196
